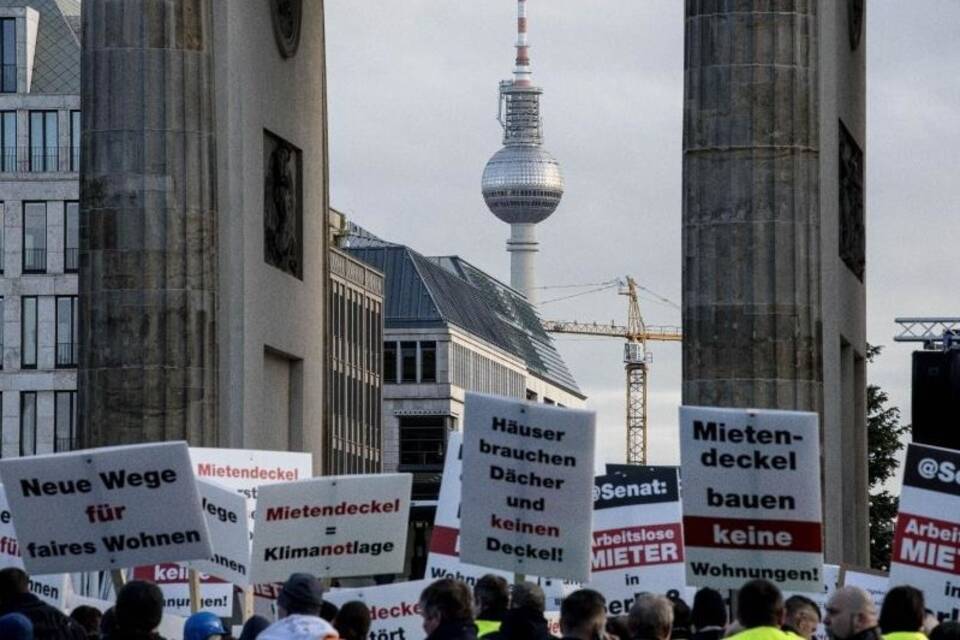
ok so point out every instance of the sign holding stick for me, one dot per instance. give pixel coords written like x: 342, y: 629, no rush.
x: 528, y: 481
x: 336, y: 526
x: 106, y: 508
x: 751, y: 497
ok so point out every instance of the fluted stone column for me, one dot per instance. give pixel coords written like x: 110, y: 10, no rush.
x: 750, y: 209
x: 148, y: 233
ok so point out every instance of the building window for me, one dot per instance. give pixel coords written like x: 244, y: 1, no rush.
x: 35, y: 237
x: 74, y: 141
x: 2, y: 324
x: 408, y: 362
x: 428, y: 361
x: 44, y: 133
x: 67, y: 331
x: 8, y: 55
x: 531, y: 395
x: 3, y: 235
x: 422, y: 441
x: 8, y: 140
x: 547, y: 400
x: 390, y: 362
x: 71, y: 237
x: 28, y: 332
x: 28, y: 423
x: 65, y: 421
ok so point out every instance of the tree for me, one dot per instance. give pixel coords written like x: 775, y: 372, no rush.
x: 884, y: 440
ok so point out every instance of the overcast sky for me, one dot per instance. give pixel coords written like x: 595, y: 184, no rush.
x: 412, y: 103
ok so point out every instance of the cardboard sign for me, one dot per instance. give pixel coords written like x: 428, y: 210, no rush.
x: 106, y: 508
x: 876, y: 583
x: 926, y: 542
x: 394, y: 608
x: 337, y: 526
x: 226, y: 514
x: 637, y: 535
x: 751, y: 497
x: 174, y: 580
x: 831, y: 580
x: 528, y: 478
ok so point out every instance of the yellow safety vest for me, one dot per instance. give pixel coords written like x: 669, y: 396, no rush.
x: 486, y: 626
x: 904, y: 635
x: 793, y: 635
x: 761, y: 633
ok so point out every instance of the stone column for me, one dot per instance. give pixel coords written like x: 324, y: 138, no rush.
x: 751, y: 218
x: 148, y: 232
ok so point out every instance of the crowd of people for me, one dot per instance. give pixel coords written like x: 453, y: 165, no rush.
x: 492, y: 610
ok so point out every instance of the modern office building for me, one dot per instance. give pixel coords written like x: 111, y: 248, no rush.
x: 39, y: 233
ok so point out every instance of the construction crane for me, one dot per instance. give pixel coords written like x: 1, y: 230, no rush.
x: 636, y: 360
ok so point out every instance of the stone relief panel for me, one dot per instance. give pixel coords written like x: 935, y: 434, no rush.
x: 283, y: 205
x: 287, y: 17
x: 853, y: 245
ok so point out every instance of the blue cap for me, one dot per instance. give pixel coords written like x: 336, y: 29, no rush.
x: 16, y: 626
x: 202, y: 625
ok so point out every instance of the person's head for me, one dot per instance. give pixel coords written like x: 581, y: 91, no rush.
x: 446, y: 600
x: 850, y: 610
x: 802, y: 614
x: 491, y: 595
x: 252, y: 627
x: 302, y: 594
x: 759, y: 604
x: 902, y: 610
x: 13, y: 582
x: 88, y: 618
x: 16, y: 626
x: 139, y: 607
x: 527, y: 595
x: 651, y: 617
x: 949, y: 630
x: 328, y: 611
x: 709, y: 610
x: 618, y: 627
x: 108, y: 623
x: 681, y: 618
x: 583, y: 615
x: 353, y: 621
x: 203, y: 625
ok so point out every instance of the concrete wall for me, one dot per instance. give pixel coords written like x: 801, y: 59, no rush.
x: 263, y: 310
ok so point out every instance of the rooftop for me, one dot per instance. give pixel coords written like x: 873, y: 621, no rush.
x: 56, y: 63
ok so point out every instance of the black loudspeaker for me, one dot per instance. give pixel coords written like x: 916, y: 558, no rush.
x: 936, y: 398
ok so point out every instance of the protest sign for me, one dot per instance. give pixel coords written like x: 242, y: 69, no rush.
x: 926, y: 542
x: 528, y: 478
x: 637, y: 534
x: 105, y: 508
x: 337, y: 526
x: 831, y: 580
x: 216, y: 595
x: 876, y: 583
x: 226, y: 514
x: 751, y: 497
x: 394, y: 608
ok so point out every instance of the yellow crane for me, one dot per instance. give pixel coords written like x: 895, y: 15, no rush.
x: 636, y: 360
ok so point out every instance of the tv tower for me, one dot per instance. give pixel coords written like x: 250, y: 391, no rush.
x: 522, y: 184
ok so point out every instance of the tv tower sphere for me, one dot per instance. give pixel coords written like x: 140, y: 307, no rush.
x: 522, y: 184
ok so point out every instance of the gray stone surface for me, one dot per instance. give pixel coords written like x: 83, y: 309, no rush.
x: 148, y: 234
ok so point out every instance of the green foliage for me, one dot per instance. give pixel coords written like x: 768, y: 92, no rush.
x: 884, y: 440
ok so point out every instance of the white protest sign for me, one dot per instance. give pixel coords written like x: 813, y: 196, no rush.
x: 528, y: 478
x: 243, y: 470
x: 831, y: 579
x: 637, y: 535
x: 337, y: 526
x: 876, y: 583
x: 926, y: 542
x: 174, y: 581
x: 105, y: 508
x: 394, y: 608
x: 226, y: 514
x: 751, y: 497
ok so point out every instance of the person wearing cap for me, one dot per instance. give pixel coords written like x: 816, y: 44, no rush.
x: 16, y: 626
x: 203, y: 625
x: 298, y: 609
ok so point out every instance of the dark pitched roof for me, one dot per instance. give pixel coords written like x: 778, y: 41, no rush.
x: 422, y: 291
x: 56, y: 63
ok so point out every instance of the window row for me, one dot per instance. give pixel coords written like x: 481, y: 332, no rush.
x: 356, y: 322
x: 36, y: 220
x: 43, y: 152
x: 409, y: 362
x: 8, y: 55
x: 36, y: 433
x: 474, y: 372
x: 65, y: 331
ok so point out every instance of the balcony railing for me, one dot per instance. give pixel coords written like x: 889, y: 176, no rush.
x: 8, y: 78
x: 39, y: 160
x: 35, y: 260
x: 66, y: 354
x: 71, y: 259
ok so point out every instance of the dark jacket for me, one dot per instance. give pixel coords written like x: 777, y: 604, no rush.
x: 710, y: 633
x: 872, y: 633
x: 48, y: 622
x: 133, y: 635
x: 522, y: 624
x: 454, y: 630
